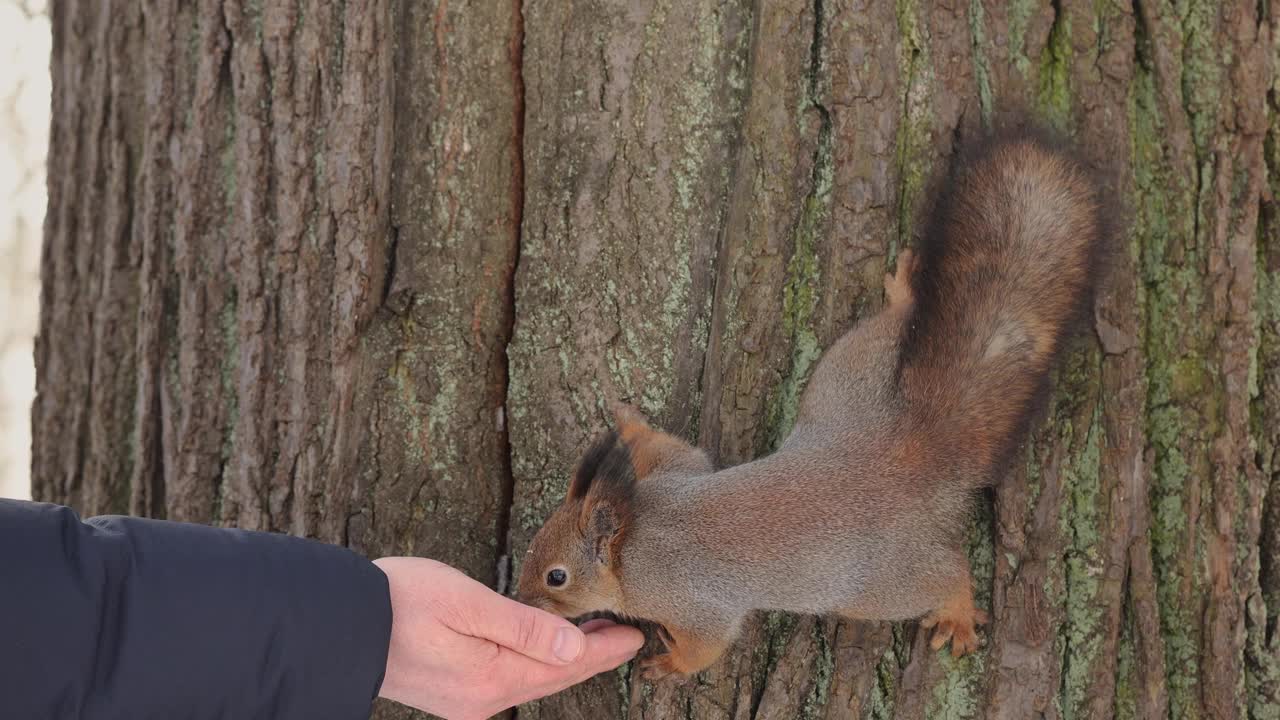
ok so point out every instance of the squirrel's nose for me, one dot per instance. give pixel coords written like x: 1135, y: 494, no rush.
x: 533, y: 599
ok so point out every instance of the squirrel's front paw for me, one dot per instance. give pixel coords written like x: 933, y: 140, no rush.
x: 660, y: 667
x: 959, y: 628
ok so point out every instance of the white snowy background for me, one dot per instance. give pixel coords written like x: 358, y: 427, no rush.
x: 25, y: 45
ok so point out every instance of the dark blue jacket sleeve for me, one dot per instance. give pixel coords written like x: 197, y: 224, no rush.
x: 130, y: 618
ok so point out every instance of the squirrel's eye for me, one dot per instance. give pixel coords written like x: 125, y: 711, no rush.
x: 557, y: 577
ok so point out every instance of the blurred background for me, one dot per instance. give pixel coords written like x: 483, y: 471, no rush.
x: 24, y: 133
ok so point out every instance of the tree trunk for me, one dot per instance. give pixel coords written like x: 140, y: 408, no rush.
x: 369, y: 272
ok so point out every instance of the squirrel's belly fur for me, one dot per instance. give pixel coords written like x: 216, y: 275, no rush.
x: 861, y: 510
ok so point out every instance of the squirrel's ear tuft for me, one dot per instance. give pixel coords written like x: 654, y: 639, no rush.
x: 605, y: 471
x: 589, y: 465
x: 653, y: 449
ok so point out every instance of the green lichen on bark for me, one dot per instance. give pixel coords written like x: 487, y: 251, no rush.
x: 957, y: 696
x: 227, y: 154
x: 1203, y: 57
x: 981, y: 65
x: 1020, y: 14
x: 1127, y: 689
x: 802, y: 288
x: 914, y: 151
x: 646, y: 377
x: 1053, y: 89
x: 823, y: 668
x: 1080, y: 517
x: 799, y: 300
x: 1262, y: 644
x: 405, y: 410
x: 882, y: 703
x: 1164, y: 225
x: 778, y: 627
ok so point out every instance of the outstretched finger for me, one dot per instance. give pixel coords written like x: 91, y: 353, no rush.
x: 606, y: 649
x: 528, y: 631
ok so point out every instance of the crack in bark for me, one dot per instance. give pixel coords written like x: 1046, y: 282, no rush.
x: 222, y: 94
x: 389, y: 277
x: 502, y: 561
x: 904, y: 212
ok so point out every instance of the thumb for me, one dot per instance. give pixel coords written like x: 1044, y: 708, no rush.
x: 529, y: 631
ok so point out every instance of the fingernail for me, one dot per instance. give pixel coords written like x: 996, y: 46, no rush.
x: 591, y: 626
x: 568, y: 644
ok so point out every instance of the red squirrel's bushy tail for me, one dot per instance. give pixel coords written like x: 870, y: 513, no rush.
x: 1007, y: 267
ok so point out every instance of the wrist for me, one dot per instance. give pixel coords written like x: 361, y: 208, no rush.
x: 392, y: 674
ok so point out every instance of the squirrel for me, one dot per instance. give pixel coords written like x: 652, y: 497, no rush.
x: 861, y: 511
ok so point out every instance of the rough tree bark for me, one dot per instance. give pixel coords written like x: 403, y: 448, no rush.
x: 369, y: 272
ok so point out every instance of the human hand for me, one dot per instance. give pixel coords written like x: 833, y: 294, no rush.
x: 461, y: 651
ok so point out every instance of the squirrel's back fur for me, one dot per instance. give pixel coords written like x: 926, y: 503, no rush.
x: 1006, y: 268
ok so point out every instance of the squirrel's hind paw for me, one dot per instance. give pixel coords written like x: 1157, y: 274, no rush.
x: 897, y: 286
x: 960, y: 629
x: 656, y: 668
